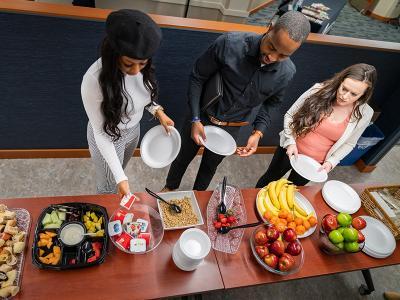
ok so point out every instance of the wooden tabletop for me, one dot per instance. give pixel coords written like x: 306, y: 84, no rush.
x: 154, y: 275
x: 121, y: 276
x: 316, y: 263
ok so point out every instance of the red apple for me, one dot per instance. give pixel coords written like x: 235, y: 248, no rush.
x: 329, y: 223
x: 272, y: 233
x: 293, y: 248
x: 271, y: 260
x: 260, y: 238
x: 289, y: 235
x: 359, y: 223
x: 277, y: 248
x: 361, y: 237
x: 286, y: 262
x: 262, y: 251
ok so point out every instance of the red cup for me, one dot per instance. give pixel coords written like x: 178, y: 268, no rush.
x: 146, y: 236
x: 120, y: 215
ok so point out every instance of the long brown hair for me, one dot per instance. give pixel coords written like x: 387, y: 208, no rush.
x: 320, y: 104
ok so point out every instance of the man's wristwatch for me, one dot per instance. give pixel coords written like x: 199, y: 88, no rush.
x: 255, y: 131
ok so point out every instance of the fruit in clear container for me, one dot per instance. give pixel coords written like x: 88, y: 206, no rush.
x: 329, y: 223
x: 350, y: 235
x: 262, y: 251
x: 261, y: 238
x: 293, y: 248
x: 271, y: 260
x: 289, y: 235
x: 344, y: 219
x: 286, y: 262
x: 272, y: 233
x: 351, y: 246
x: 277, y: 248
x: 359, y: 223
x: 335, y: 236
x: 361, y: 237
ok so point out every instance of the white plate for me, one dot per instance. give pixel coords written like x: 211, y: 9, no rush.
x: 218, y: 141
x: 158, y: 149
x: 308, y: 167
x: 341, y: 197
x: 379, y: 241
x: 306, y: 205
x: 180, y: 195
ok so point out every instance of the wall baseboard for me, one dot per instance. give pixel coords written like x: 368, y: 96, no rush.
x: 82, y: 153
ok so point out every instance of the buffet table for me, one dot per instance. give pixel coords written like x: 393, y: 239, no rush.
x: 154, y: 275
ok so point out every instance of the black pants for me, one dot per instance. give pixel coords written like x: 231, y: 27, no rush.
x: 189, y: 149
x: 278, y: 167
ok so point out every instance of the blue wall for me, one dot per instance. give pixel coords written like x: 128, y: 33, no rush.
x: 43, y: 59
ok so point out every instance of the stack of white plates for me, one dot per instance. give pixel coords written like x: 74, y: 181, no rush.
x: 379, y: 240
x: 341, y: 197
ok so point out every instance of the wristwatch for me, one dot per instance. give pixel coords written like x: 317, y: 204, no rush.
x: 255, y: 131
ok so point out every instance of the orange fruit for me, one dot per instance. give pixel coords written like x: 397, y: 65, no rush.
x: 292, y: 225
x: 298, y: 221
x: 306, y: 224
x: 283, y: 221
x: 290, y: 217
x: 274, y: 220
x: 300, y: 229
x: 312, y: 220
x: 267, y: 215
x: 280, y: 227
x: 283, y: 214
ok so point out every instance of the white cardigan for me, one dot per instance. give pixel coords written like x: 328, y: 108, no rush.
x: 347, y: 141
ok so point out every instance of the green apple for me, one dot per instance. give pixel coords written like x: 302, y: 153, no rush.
x: 335, y: 236
x: 350, y: 235
x: 351, y: 246
x: 344, y: 219
x: 340, y: 245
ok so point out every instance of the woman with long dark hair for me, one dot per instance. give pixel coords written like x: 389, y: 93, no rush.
x: 325, y: 122
x: 115, y: 91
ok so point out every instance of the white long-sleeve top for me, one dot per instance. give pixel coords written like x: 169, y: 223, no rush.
x: 347, y: 141
x: 92, y: 98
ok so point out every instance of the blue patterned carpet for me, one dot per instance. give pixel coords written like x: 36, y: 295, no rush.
x: 350, y: 22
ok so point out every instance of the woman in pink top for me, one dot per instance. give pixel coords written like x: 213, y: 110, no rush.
x: 325, y: 122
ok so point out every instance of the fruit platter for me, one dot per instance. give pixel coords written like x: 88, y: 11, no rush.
x: 69, y: 236
x: 342, y: 234
x: 137, y: 230
x: 282, y: 205
x: 279, y: 253
x: 14, y: 226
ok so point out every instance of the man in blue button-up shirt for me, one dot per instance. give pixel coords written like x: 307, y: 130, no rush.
x: 255, y: 71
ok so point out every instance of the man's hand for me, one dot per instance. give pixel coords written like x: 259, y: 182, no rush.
x: 251, y: 147
x: 198, y: 130
x: 165, y: 121
x: 123, y: 188
x: 327, y: 166
x: 292, y: 150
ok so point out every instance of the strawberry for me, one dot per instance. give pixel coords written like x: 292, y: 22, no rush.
x: 217, y: 225
x: 224, y: 220
x: 231, y: 219
x: 221, y: 216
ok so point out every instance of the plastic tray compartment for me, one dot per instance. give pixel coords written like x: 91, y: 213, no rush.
x: 72, y: 257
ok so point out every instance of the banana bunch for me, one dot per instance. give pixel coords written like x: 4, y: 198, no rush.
x: 279, y: 195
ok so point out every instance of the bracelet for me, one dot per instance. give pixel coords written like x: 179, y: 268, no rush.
x: 255, y: 131
x: 195, y: 119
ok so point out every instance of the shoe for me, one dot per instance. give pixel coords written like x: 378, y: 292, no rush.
x: 391, y: 295
x: 165, y: 190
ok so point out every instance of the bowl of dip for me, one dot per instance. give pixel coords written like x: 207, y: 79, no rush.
x: 72, y: 233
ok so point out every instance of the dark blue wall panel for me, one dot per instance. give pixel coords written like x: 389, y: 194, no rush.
x: 43, y: 59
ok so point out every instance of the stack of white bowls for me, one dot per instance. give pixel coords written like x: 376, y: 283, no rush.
x: 191, y: 249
